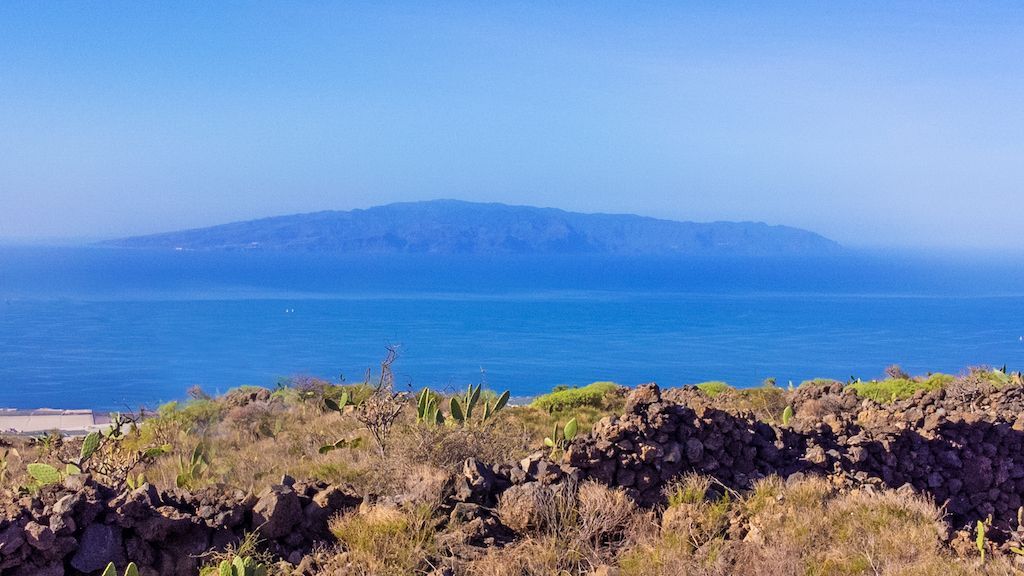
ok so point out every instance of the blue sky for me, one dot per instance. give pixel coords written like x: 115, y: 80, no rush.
x: 877, y: 124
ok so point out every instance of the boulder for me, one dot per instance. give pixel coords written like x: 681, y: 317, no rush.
x: 277, y: 512
x: 39, y: 536
x: 99, y: 545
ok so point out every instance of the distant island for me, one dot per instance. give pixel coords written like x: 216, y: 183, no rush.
x: 457, y: 227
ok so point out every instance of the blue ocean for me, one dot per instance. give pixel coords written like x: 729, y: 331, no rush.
x: 84, y: 327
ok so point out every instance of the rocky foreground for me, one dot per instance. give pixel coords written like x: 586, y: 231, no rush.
x: 961, y: 447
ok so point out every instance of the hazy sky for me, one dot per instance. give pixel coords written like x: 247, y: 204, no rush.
x: 872, y: 123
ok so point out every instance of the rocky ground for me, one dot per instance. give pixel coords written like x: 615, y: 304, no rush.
x: 959, y: 448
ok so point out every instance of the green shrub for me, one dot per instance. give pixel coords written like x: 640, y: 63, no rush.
x: 884, y: 391
x: 713, y: 388
x: 192, y: 416
x: 592, y: 395
x: 357, y: 393
x: 996, y: 378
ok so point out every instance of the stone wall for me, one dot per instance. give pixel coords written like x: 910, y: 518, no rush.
x: 965, y: 450
x: 79, y: 526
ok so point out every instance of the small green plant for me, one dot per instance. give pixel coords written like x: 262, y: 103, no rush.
x: 339, y: 407
x: 49, y: 442
x: 135, y: 482
x: 787, y: 415
x: 90, y: 444
x: 131, y: 570
x: 192, y: 470
x: 980, y: 540
x: 44, y: 474
x: 339, y: 404
x: 241, y: 566
x: 560, y: 439
x: 243, y: 558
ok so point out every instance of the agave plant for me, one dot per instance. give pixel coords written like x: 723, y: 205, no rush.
x: 428, y: 410
x: 190, y: 471
x: 462, y: 411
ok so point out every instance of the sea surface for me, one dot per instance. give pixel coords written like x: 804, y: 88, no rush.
x: 110, y: 329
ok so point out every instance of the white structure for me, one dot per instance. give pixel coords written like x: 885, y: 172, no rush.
x: 46, y: 419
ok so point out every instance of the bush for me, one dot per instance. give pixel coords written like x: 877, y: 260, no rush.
x: 713, y: 388
x: 194, y: 416
x: 256, y: 420
x: 606, y: 515
x: 592, y: 395
x: 447, y: 447
x: 899, y: 388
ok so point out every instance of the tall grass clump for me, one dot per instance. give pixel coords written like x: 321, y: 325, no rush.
x: 384, y: 542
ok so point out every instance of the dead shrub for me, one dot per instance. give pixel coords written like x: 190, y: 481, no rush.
x: 256, y: 420
x: 816, y: 410
x: 567, y: 529
x: 607, y: 516
x: 447, y: 447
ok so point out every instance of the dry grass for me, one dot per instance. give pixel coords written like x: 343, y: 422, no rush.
x: 564, y: 530
x: 15, y: 454
x: 803, y: 529
x: 383, y: 541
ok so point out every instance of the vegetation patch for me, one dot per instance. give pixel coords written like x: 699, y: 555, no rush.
x: 714, y: 388
x: 893, y: 389
x: 823, y: 382
x: 591, y: 395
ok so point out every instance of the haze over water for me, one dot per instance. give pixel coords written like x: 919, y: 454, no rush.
x: 112, y: 329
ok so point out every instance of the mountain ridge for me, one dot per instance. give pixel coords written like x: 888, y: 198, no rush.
x: 461, y: 227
